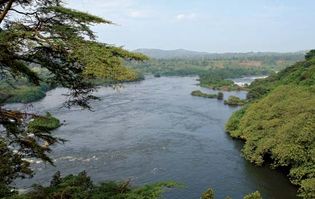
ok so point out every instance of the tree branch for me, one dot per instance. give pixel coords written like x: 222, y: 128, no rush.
x: 6, y: 10
x: 23, y: 13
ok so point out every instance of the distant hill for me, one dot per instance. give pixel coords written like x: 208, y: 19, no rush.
x: 187, y: 54
x: 170, y: 54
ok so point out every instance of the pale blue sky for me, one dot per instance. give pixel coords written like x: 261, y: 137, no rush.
x: 206, y: 25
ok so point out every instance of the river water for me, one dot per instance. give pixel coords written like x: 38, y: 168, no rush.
x: 153, y: 131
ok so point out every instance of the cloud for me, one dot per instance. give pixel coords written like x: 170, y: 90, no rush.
x: 188, y: 16
x: 138, y: 14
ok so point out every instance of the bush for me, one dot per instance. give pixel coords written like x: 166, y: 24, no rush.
x: 82, y: 187
x: 255, y: 195
x: 47, y: 122
x: 209, y: 194
x: 234, y: 101
x: 220, y: 96
x: 198, y: 93
x: 279, y: 123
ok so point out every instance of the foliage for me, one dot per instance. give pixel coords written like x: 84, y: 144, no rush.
x: 255, y: 195
x: 310, y: 55
x: 21, y: 91
x: 279, y: 124
x: 218, y: 78
x: 215, y: 72
x: 81, y: 186
x: 268, y: 58
x: 24, y: 94
x: 301, y: 73
x: 44, y: 34
x: 183, y: 66
x: 48, y: 122
x: 198, y: 93
x: 220, y: 96
x: 307, y: 188
x: 233, y: 124
x: 234, y: 101
x: 209, y: 194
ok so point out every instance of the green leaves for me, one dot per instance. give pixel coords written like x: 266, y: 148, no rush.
x: 77, y: 16
x: 59, y: 40
x: 255, y: 195
x: 81, y: 186
x: 279, y: 123
x: 234, y: 101
x: 198, y: 93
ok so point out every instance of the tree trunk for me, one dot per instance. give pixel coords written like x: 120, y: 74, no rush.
x: 6, y: 10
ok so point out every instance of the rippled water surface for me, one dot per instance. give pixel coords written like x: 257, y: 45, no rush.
x: 153, y: 131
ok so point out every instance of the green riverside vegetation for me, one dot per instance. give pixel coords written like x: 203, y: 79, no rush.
x: 47, y: 122
x: 199, y: 65
x: 278, y: 125
x: 234, y: 101
x: 81, y: 186
x: 198, y: 93
x: 21, y: 91
x: 45, y: 44
x: 210, y: 194
x: 218, y: 78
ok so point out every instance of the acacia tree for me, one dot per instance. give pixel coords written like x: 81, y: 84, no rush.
x: 46, y: 34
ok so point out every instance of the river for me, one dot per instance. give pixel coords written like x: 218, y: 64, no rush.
x: 151, y: 131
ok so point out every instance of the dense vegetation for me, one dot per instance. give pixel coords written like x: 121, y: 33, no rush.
x: 20, y: 90
x: 218, y: 78
x: 47, y: 122
x: 210, y: 194
x: 270, y: 58
x: 278, y: 126
x: 81, y: 186
x: 47, y: 35
x: 198, y: 93
x: 44, y: 44
x: 215, y: 70
x: 234, y: 101
x: 198, y: 65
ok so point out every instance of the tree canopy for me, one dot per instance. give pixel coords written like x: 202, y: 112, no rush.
x: 278, y: 125
x: 46, y: 34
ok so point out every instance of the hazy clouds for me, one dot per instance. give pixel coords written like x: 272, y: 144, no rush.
x: 206, y: 25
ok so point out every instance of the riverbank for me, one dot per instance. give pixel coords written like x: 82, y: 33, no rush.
x: 29, y: 93
x: 278, y: 125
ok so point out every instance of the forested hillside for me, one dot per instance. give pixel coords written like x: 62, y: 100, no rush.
x: 196, y: 65
x: 278, y: 126
x: 188, y: 54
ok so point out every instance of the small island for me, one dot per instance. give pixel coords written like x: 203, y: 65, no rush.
x: 198, y: 93
x: 234, y: 101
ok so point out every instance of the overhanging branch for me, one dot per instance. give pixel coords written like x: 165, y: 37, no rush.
x: 6, y: 10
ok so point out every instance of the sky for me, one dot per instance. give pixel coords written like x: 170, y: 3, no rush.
x: 205, y: 25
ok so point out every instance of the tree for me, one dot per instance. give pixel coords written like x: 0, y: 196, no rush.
x: 220, y: 96
x: 209, y: 194
x: 310, y: 55
x: 46, y: 34
x: 255, y: 195
x: 81, y: 186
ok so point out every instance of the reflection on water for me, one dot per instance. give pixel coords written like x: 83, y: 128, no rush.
x: 153, y: 131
